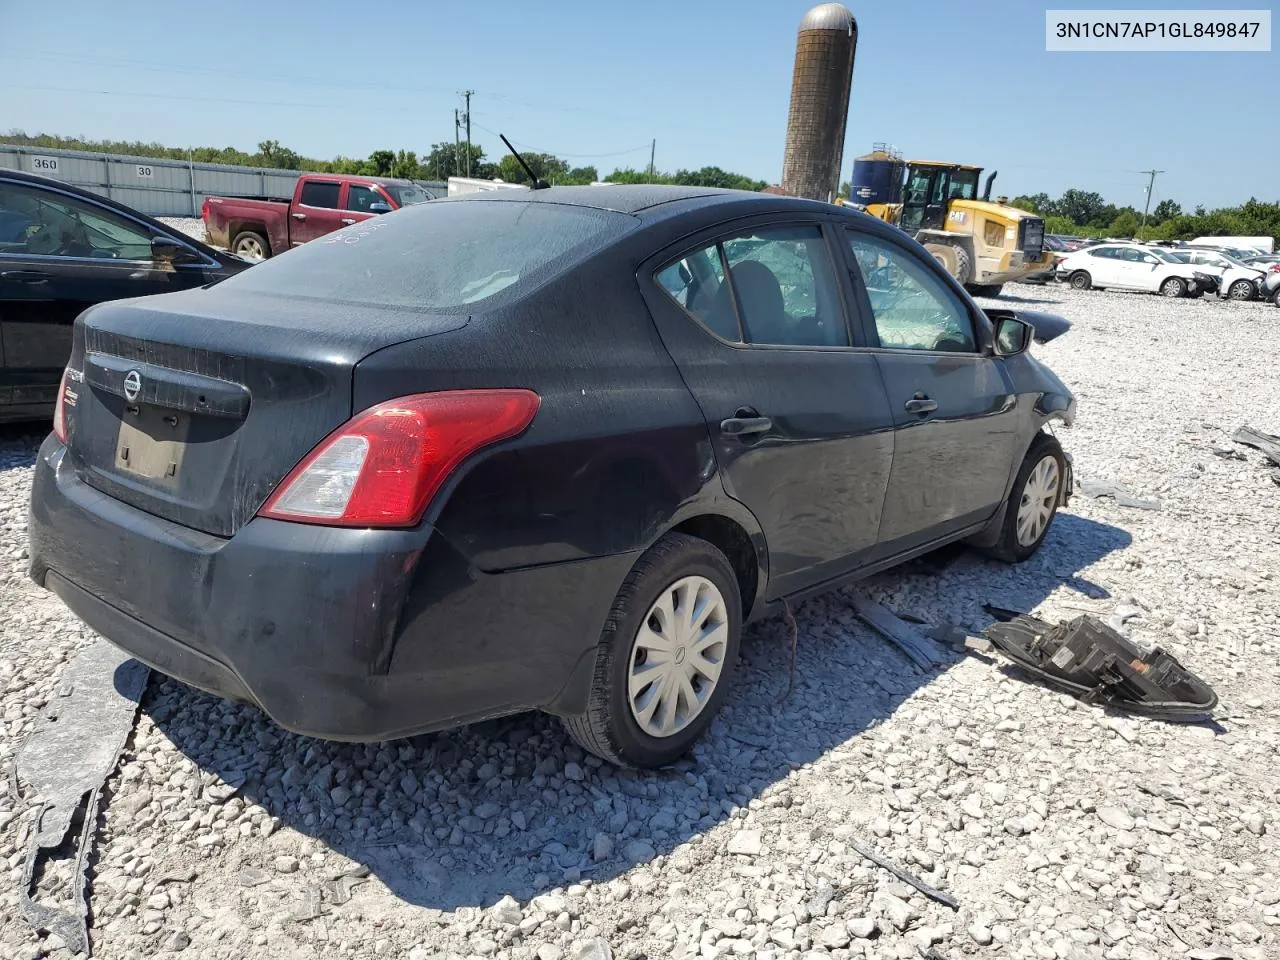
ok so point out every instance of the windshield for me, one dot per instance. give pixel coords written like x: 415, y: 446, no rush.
x: 440, y: 256
x: 407, y: 194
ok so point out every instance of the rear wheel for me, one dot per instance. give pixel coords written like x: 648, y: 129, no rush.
x: 1241, y: 290
x: 1033, y: 503
x: 251, y: 245
x: 1275, y: 297
x: 666, y: 655
x: 1173, y: 287
x: 1080, y: 280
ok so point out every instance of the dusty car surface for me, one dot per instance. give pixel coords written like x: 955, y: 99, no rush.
x: 539, y: 450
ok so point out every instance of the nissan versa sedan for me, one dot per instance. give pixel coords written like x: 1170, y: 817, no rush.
x: 63, y: 249
x: 540, y: 449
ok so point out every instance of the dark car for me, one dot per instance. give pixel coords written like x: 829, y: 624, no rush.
x: 63, y: 249
x: 539, y: 449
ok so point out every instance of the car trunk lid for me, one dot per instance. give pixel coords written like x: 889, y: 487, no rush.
x: 193, y: 406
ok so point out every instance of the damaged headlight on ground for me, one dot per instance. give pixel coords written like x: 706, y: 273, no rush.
x: 1092, y: 661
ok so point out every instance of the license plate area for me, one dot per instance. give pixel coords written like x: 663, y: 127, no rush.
x: 152, y: 444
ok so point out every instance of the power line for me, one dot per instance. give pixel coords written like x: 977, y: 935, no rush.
x: 558, y: 153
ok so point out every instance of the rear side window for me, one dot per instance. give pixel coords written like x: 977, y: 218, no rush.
x: 320, y: 193
x: 440, y: 256
x: 782, y: 289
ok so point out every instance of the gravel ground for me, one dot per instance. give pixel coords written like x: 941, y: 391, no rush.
x: 1063, y: 832
x: 191, y: 226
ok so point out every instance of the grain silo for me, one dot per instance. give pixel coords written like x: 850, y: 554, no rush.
x: 819, y: 102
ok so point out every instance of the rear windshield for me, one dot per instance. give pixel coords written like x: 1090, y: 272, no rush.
x: 439, y: 256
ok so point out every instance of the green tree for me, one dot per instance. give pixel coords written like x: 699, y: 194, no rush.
x: 1166, y: 210
x: 1124, y: 225
x: 545, y: 166
x: 447, y: 159
x: 1083, y: 207
x: 1038, y: 203
x: 381, y: 162
x: 406, y: 166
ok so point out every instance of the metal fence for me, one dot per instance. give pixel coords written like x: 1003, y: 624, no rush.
x: 159, y: 188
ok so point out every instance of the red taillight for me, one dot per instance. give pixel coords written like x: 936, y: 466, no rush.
x: 204, y: 209
x: 383, y: 467
x: 60, y: 410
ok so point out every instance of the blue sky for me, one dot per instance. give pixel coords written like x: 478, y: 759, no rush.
x: 708, y: 79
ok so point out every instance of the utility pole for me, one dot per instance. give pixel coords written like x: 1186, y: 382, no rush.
x: 457, y: 145
x: 468, y: 94
x: 653, y: 148
x: 1146, y: 206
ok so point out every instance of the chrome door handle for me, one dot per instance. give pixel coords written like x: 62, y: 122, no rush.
x: 921, y: 405
x: 299, y: 216
x: 347, y: 221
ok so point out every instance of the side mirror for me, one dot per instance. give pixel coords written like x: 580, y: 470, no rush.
x: 379, y: 207
x: 1013, y: 336
x: 168, y: 250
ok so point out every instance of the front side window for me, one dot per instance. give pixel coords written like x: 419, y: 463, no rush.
x: 913, y: 309
x: 361, y: 198
x: 320, y: 193
x: 781, y: 291
x: 42, y: 223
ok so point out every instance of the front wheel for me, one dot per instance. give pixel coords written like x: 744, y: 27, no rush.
x: 1173, y: 287
x: 1275, y: 297
x: 666, y: 655
x: 1241, y: 290
x: 1033, y: 503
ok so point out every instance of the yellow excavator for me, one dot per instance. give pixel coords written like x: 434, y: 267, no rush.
x: 981, y: 243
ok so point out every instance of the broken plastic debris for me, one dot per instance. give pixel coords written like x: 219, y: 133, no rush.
x: 1088, y: 659
x: 74, y: 748
x: 918, y: 649
x: 1123, y: 497
x: 1269, y: 445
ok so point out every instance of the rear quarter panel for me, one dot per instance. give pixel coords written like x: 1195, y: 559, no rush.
x: 618, y: 446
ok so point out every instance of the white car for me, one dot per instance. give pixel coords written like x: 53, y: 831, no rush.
x: 1236, y: 280
x: 1131, y: 266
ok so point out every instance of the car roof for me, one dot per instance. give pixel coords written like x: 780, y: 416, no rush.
x: 645, y: 199
x: 52, y: 183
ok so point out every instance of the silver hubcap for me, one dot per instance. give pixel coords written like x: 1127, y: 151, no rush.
x: 1241, y: 291
x: 1039, y: 498
x: 250, y: 248
x: 677, y: 656
x: 1173, y: 288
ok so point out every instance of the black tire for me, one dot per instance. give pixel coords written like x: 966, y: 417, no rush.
x: 1242, y: 290
x: 1275, y: 297
x: 1009, y: 548
x: 608, y: 728
x: 1173, y: 288
x: 1080, y: 280
x: 247, y: 241
x: 964, y: 265
x: 985, y: 289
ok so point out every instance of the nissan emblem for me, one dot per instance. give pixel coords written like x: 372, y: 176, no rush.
x: 132, y: 385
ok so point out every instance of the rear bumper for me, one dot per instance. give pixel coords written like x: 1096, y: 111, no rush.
x: 341, y: 634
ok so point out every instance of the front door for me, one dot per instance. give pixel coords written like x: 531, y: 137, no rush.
x: 799, y: 423
x: 924, y: 204
x: 317, y: 212
x: 953, y: 405
x: 63, y: 254
x: 358, y: 201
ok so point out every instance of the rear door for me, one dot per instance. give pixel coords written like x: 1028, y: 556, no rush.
x: 317, y: 211
x: 59, y: 255
x: 953, y: 406
x: 1105, y: 266
x: 755, y: 317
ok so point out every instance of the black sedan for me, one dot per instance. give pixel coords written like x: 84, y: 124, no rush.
x: 63, y: 249
x: 541, y: 449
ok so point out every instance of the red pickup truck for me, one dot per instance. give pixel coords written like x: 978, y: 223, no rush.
x: 257, y: 227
